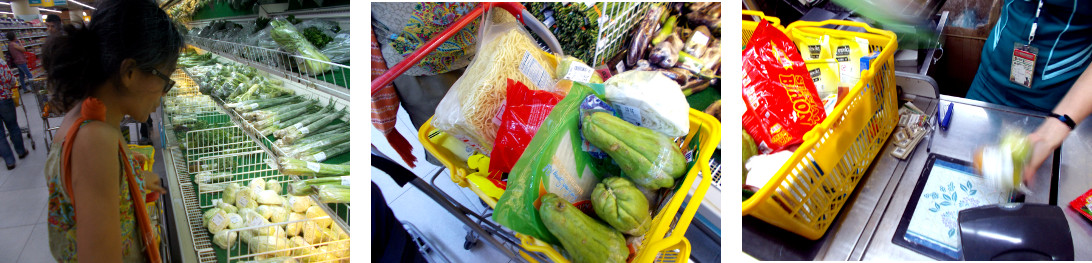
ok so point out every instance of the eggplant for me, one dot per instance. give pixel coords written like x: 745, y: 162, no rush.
x: 644, y: 34
x: 694, y: 45
x: 666, y: 54
x: 695, y: 86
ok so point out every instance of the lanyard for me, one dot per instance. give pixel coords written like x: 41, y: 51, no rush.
x: 1035, y: 23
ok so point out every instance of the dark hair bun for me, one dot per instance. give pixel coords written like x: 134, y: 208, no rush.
x: 79, y: 60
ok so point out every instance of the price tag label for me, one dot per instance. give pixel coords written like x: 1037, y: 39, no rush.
x: 621, y: 67
x: 700, y: 38
x: 235, y: 219
x: 313, y: 166
x: 305, y: 130
x: 218, y: 219
x: 579, y: 73
x: 256, y: 221
x: 242, y: 201
x: 345, y: 180
x: 298, y: 125
x: 533, y: 71
x: 630, y: 114
x: 292, y: 201
x: 321, y: 156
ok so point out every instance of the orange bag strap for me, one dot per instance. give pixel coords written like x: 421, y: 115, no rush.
x: 92, y: 109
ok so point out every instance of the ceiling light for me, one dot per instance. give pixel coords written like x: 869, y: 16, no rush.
x: 49, y: 10
x: 84, y: 5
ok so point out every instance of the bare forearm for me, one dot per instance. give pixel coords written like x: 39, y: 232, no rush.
x: 1077, y: 103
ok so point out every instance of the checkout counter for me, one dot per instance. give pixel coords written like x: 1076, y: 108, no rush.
x: 868, y: 223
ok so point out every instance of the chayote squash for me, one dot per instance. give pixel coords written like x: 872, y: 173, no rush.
x: 649, y: 158
x: 586, y: 239
x: 618, y: 202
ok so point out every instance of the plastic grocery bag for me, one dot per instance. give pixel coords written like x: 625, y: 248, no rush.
x: 557, y: 165
x: 505, y: 51
x: 524, y: 111
x: 651, y: 100
x: 338, y: 50
x: 782, y: 103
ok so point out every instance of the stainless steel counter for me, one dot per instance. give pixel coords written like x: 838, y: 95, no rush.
x: 866, y: 225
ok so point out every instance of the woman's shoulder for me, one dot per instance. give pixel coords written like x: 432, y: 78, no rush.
x: 95, y: 134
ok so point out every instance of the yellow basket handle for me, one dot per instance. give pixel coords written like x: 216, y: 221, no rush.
x: 773, y: 20
x: 868, y: 28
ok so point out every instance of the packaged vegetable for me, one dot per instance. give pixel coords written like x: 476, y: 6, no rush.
x: 781, y: 100
x: 225, y: 239
x: 811, y: 46
x: 524, y: 111
x: 651, y: 100
x: 506, y: 51
x: 650, y: 159
x: 571, y: 68
x: 824, y: 73
x: 559, y: 167
x: 848, y: 51
x: 1002, y: 165
x: 618, y: 202
x: 289, y: 38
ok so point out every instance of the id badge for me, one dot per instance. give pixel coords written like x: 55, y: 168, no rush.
x: 1023, y: 64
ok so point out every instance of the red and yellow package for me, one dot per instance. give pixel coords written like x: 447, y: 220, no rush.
x: 778, y: 90
x: 1083, y: 205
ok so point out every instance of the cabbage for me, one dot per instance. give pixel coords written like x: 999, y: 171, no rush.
x: 273, y: 185
x: 224, y: 238
x: 229, y: 192
x: 265, y: 211
x: 257, y: 184
x: 293, y: 229
x: 280, y: 214
x: 314, y: 212
x: 218, y: 221
x: 236, y: 221
x: 299, y: 204
x: 270, y: 197
x: 228, y: 207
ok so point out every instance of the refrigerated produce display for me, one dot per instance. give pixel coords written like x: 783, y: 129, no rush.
x: 256, y: 143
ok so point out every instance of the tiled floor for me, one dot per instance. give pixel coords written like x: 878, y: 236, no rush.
x: 23, y: 197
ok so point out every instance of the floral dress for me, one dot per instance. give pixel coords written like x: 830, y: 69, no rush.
x: 62, y: 222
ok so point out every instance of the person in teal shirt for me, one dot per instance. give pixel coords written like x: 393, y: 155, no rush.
x: 1061, y: 82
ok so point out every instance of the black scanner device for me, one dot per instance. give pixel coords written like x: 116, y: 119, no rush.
x: 1015, y: 232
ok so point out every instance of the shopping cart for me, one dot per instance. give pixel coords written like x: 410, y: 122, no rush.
x: 674, y: 218
x: 16, y: 96
x: 46, y: 107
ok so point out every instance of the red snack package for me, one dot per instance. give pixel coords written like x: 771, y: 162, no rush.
x: 524, y: 111
x: 1083, y: 205
x: 778, y: 90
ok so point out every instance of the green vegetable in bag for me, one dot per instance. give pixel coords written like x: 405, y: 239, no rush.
x: 618, y: 202
x: 586, y: 239
x: 558, y: 165
x: 647, y: 157
x: 290, y: 39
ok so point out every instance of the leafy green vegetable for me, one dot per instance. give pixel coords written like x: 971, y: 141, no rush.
x: 316, y: 37
x: 289, y: 38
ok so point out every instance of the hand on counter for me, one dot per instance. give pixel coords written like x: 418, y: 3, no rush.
x: 1045, y: 140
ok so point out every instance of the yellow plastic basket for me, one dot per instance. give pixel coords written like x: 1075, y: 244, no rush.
x: 809, y: 190
x: 664, y: 242
x: 749, y: 26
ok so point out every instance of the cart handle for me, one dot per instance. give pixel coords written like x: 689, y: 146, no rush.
x: 516, y: 9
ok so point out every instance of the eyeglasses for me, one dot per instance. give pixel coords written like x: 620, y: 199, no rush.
x: 170, y: 83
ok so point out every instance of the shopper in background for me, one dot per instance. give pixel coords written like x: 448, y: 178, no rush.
x: 1060, y: 81
x: 19, y: 59
x: 10, y: 119
x: 53, y: 24
x: 400, y: 29
x: 117, y: 65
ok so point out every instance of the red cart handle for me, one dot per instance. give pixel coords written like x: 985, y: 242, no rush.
x: 516, y: 9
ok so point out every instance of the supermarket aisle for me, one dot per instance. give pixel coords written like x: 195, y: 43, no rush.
x: 412, y: 205
x: 23, y: 198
